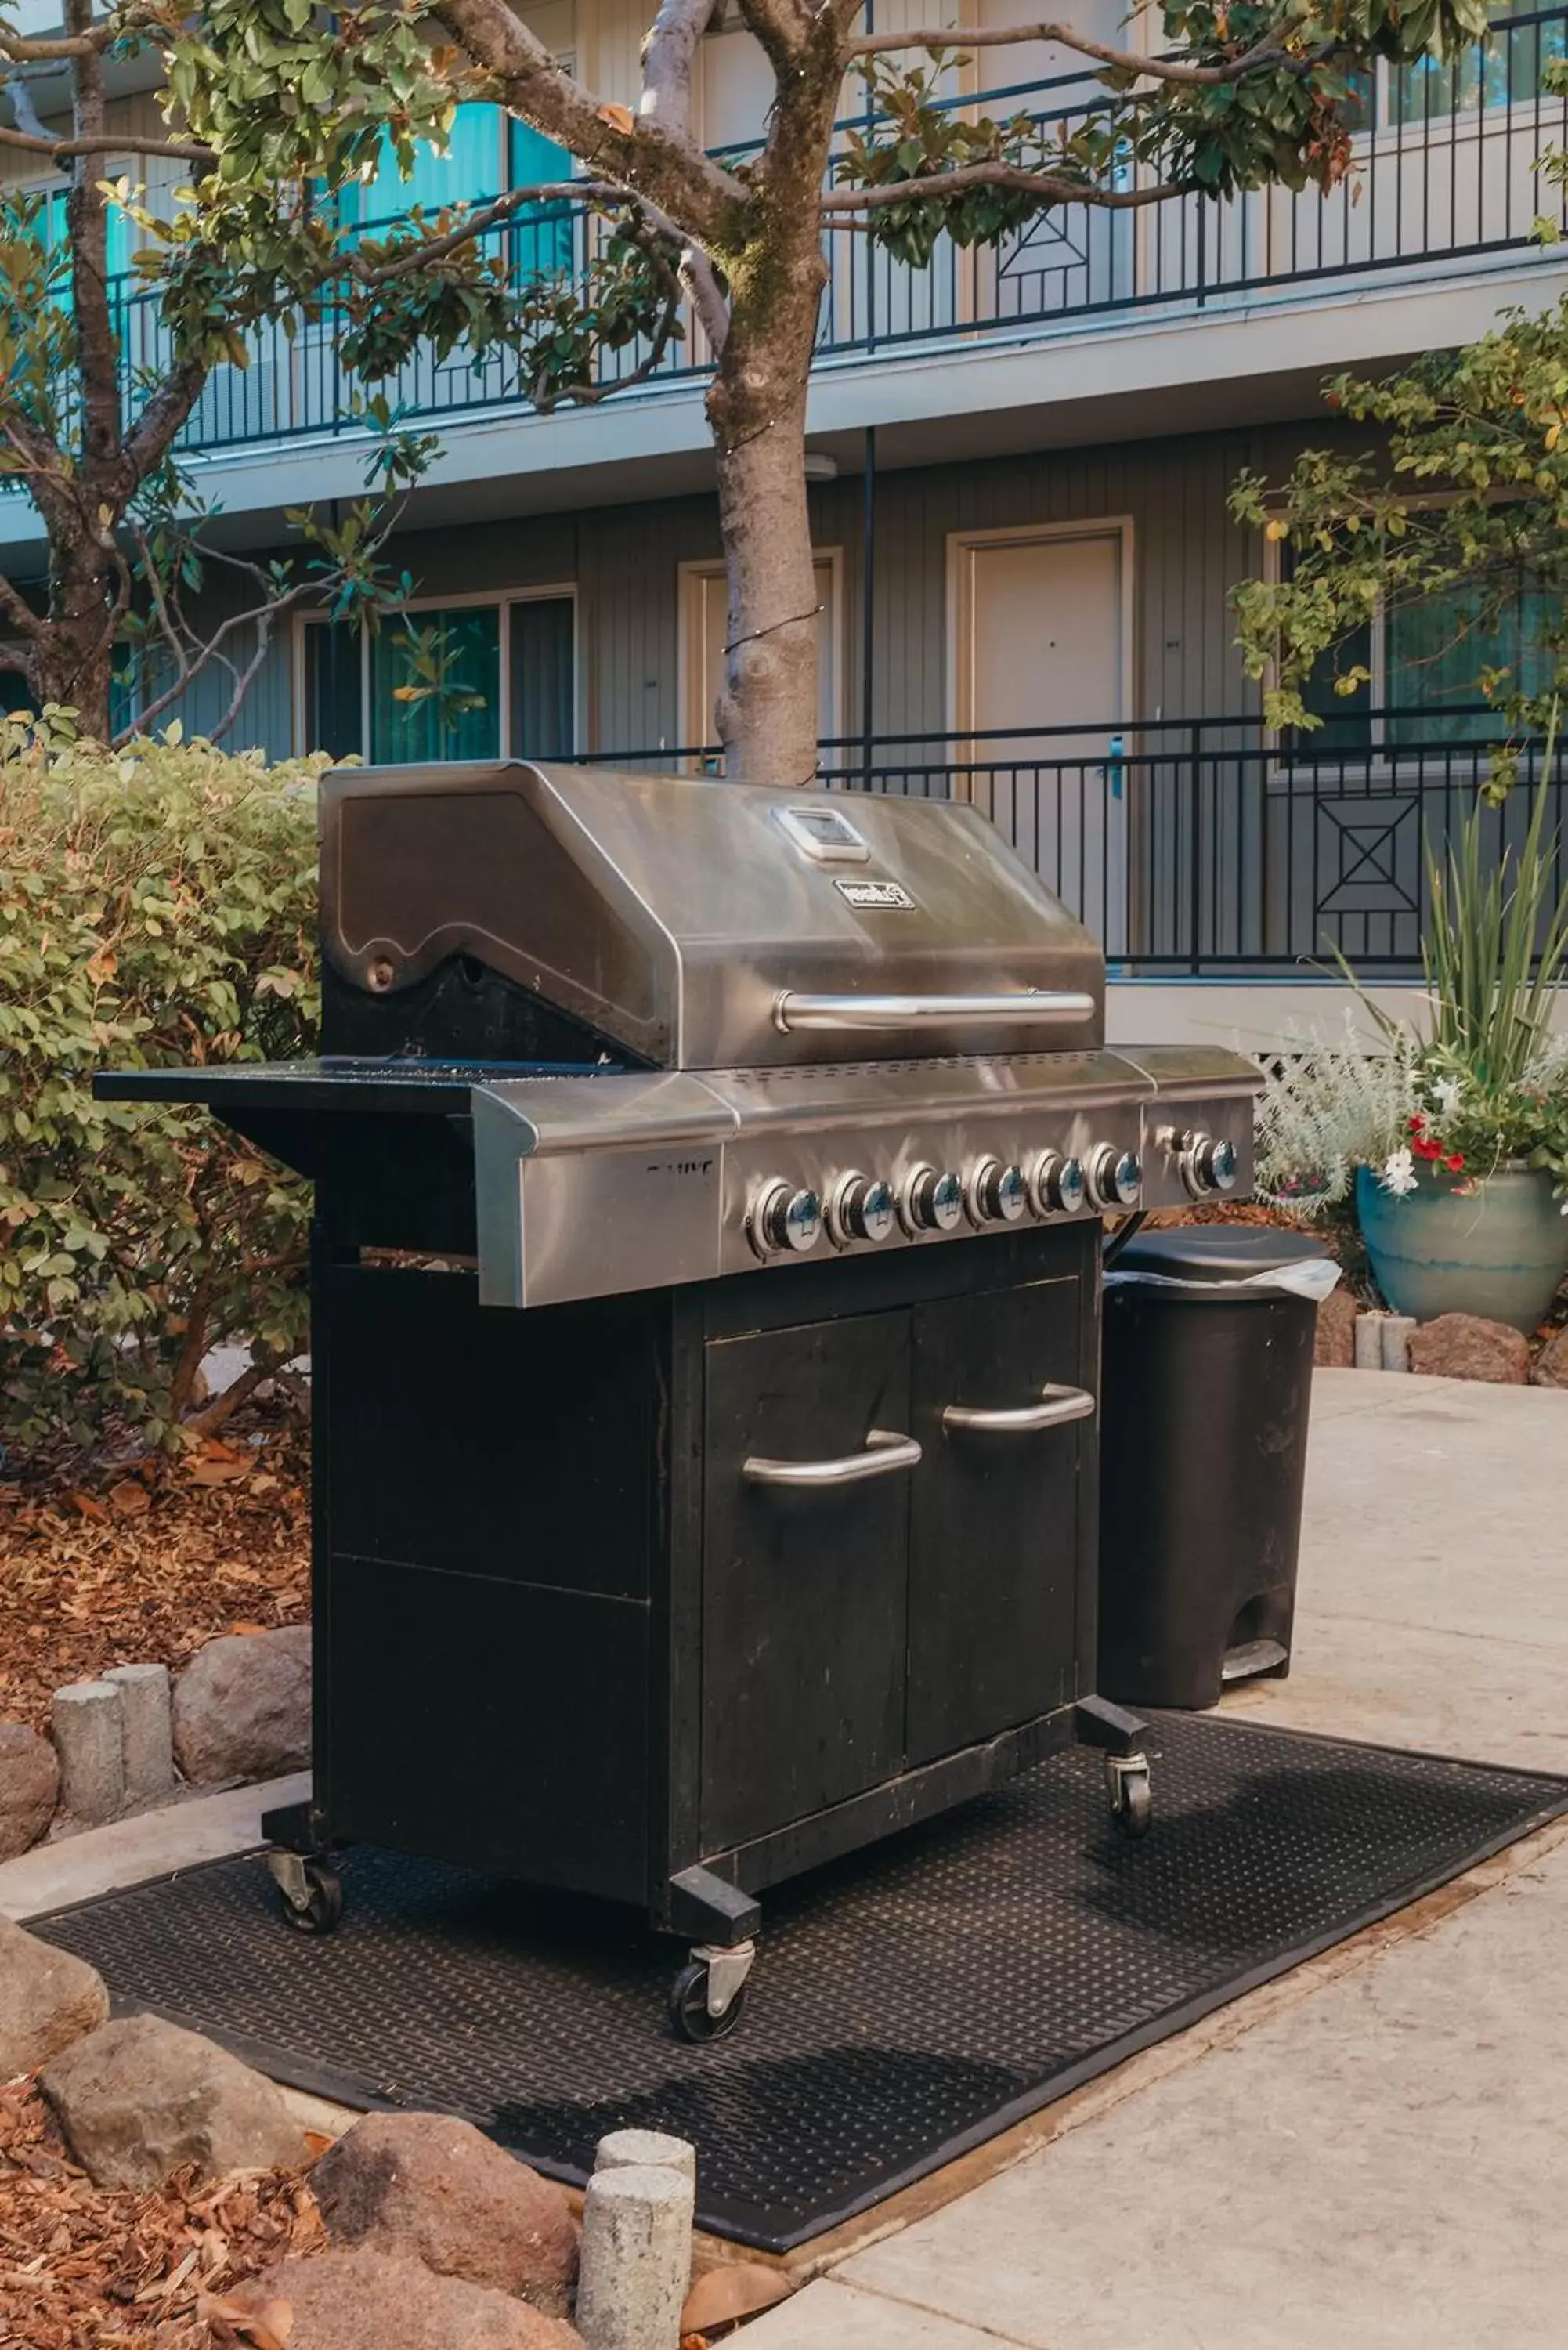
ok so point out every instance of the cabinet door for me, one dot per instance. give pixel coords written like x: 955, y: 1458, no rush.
x: 993, y: 1558
x: 804, y: 1587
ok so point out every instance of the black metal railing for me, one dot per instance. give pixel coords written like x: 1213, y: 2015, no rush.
x: 1205, y: 846
x: 1446, y: 168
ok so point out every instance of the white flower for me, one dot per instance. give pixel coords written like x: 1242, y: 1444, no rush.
x: 1398, y: 1173
x: 1448, y: 1091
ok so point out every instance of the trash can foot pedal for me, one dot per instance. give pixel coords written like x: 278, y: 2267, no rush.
x: 1250, y: 1657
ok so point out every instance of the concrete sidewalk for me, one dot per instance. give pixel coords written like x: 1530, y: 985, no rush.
x: 1374, y: 2164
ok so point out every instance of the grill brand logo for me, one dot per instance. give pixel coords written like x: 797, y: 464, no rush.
x: 875, y: 895
x: 678, y: 1167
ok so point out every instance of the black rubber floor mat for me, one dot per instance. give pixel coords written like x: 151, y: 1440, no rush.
x: 908, y: 2003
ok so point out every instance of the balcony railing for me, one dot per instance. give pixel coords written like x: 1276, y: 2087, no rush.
x: 1204, y: 847
x: 1447, y: 169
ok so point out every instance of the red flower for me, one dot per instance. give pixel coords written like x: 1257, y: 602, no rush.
x: 1454, y: 1162
x: 1426, y: 1149
x: 1417, y: 1122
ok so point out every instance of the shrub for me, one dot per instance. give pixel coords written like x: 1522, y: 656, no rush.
x: 156, y: 906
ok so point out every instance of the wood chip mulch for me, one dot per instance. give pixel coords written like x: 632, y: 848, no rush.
x: 145, y: 1565
x: 82, y: 2269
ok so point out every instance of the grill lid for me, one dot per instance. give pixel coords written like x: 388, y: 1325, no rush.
x: 702, y: 924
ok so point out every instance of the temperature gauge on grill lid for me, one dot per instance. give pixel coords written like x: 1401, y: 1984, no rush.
x: 929, y: 1201
x: 1056, y: 1185
x: 861, y: 1208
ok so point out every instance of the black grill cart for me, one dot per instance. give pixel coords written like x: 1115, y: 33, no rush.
x: 708, y: 1183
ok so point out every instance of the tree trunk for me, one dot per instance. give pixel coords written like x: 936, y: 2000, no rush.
x: 73, y: 656
x: 767, y: 710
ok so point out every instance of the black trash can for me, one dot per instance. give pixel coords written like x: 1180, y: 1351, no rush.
x: 1205, y: 1389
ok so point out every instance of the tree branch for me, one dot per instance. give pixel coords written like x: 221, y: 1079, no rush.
x: 781, y: 27
x: 419, y: 256
x: 1262, y: 51
x: 164, y: 415
x: 669, y: 61
x: 1043, y: 185
x: 665, y: 166
x: 126, y: 143
x: 98, y: 359
x: 17, y: 610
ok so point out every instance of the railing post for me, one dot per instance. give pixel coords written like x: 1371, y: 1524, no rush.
x: 1195, y: 875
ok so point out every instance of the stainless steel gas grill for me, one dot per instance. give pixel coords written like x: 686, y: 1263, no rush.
x: 766, y: 1526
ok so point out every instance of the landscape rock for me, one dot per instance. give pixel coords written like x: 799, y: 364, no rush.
x: 1337, y: 1329
x: 242, y: 1707
x: 436, y: 2188
x: 29, y: 1787
x: 361, y: 2299
x: 1464, y: 1347
x: 1551, y: 1363
x: 139, y: 2098
x: 48, y: 1998
x: 88, y: 1725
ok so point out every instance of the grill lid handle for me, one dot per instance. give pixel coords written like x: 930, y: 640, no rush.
x: 884, y: 1453
x: 1022, y: 1010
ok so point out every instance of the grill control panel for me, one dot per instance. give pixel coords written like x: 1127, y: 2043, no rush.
x: 787, y: 1217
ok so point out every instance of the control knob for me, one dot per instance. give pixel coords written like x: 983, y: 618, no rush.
x: 1114, y: 1177
x: 785, y: 1219
x: 861, y: 1209
x: 931, y: 1202
x: 1206, y: 1162
x: 997, y: 1194
x: 1056, y: 1185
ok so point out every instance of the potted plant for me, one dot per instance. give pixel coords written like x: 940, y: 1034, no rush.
x: 1453, y: 1139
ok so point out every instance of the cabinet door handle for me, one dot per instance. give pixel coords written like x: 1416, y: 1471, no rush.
x: 1056, y: 1405
x: 884, y: 1453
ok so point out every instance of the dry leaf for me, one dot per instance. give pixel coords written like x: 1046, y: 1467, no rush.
x: 242, y: 1630
x: 129, y: 1497
x: 264, y: 2324
x: 215, y: 1472
x: 726, y: 2294
x: 317, y: 2143
x: 619, y: 117
x: 87, y: 1506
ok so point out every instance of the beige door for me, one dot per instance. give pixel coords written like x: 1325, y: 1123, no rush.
x: 1040, y: 680
x: 704, y: 611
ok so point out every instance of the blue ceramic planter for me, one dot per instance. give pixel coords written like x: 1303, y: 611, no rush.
x: 1499, y: 1251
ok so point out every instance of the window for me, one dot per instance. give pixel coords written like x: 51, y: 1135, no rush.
x: 1505, y: 70
x: 489, y: 150
x: 1426, y: 661
x: 443, y: 682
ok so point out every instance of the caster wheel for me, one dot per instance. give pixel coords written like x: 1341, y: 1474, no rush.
x: 322, y: 1909
x: 689, y: 2006
x: 1132, y: 1797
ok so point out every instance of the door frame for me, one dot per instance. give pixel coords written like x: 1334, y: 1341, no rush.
x: 961, y: 545
x: 690, y: 576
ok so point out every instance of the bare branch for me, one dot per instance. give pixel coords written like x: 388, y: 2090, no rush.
x: 21, y: 98
x: 118, y: 142
x: 667, y: 167
x: 668, y: 59
x: 645, y: 233
x: 1043, y: 185
x: 1263, y: 51
x: 700, y: 280
x: 18, y: 611
x: 164, y: 415
x: 419, y: 256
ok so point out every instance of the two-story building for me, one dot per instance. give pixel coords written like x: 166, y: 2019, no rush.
x: 1019, y: 465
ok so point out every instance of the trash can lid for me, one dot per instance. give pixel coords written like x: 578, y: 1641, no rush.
x: 1217, y: 1251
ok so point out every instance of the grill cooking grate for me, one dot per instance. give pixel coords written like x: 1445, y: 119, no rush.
x: 908, y: 2003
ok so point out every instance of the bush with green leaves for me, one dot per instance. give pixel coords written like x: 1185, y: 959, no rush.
x: 157, y: 907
